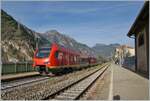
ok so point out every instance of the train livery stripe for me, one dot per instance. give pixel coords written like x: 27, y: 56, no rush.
x: 65, y: 66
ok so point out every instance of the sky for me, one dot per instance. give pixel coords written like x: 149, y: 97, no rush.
x: 88, y: 22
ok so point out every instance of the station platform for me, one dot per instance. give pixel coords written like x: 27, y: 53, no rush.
x: 18, y: 75
x: 128, y: 85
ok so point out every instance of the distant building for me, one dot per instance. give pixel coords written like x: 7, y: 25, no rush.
x: 123, y: 52
x: 140, y: 31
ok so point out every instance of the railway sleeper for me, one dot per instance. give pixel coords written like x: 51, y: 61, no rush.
x: 70, y: 94
x: 79, y: 88
x: 61, y: 97
x: 73, y: 91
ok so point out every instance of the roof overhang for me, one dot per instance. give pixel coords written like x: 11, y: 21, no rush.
x: 144, y: 13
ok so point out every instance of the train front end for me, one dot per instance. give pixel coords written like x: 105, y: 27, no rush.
x: 41, y: 59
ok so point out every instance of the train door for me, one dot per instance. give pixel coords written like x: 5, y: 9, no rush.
x: 56, y: 57
x: 75, y: 59
x: 67, y: 58
x: 78, y: 60
x: 71, y: 59
x: 60, y: 58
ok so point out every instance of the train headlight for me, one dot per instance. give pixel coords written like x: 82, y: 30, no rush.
x: 46, y: 62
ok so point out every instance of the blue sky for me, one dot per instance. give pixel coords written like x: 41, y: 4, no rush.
x: 87, y: 22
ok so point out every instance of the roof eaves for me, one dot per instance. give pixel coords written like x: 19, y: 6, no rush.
x: 131, y: 31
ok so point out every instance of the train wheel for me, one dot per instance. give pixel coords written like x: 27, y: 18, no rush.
x: 70, y: 70
x: 42, y: 71
x: 65, y: 70
x: 51, y: 74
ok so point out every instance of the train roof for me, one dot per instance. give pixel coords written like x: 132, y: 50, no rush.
x: 67, y: 49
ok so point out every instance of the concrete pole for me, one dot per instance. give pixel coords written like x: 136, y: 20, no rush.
x: 37, y: 41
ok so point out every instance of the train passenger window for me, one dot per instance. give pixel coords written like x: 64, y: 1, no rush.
x: 75, y: 58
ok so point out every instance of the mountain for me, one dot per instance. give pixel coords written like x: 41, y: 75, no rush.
x: 18, y: 42
x: 105, y: 50
x: 55, y: 36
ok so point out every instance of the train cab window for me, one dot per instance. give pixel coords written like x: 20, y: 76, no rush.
x: 43, y: 52
x: 141, y: 39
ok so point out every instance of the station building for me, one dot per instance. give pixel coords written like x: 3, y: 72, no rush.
x: 140, y: 32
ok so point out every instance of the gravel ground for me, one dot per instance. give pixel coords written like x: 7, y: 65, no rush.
x: 43, y: 89
x: 17, y: 82
x: 100, y: 89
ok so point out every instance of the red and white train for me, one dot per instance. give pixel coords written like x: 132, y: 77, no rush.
x: 57, y: 59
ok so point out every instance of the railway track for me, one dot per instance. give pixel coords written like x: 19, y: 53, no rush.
x: 75, y: 90
x: 21, y: 82
x: 44, y: 88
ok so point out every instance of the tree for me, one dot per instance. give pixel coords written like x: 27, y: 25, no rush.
x: 128, y: 54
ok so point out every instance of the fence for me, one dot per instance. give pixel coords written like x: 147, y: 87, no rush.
x: 18, y: 67
x: 129, y: 62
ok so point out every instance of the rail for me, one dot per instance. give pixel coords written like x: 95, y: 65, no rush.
x: 83, y: 83
x: 22, y: 82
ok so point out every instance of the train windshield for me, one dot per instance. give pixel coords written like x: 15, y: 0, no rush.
x: 43, y: 52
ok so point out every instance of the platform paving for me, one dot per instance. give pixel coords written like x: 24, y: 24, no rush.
x: 128, y: 85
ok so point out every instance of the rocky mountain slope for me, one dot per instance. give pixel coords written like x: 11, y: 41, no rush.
x: 17, y: 41
x: 55, y: 36
x: 105, y: 50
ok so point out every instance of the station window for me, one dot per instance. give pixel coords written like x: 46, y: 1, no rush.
x: 141, y: 39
